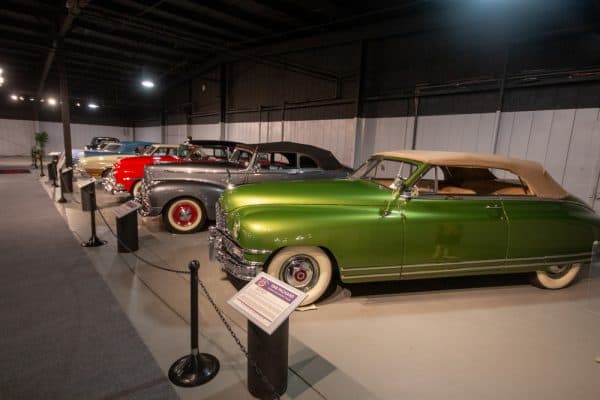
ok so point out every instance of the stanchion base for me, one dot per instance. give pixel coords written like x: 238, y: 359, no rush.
x: 93, y: 242
x: 194, y: 370
x: 61, y: 200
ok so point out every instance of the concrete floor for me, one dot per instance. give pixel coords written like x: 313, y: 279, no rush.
x: 463, y: 338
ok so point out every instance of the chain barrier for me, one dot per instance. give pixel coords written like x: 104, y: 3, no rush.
x: 219, y: 312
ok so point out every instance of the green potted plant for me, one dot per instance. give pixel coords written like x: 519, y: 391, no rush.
x: 41, y: 138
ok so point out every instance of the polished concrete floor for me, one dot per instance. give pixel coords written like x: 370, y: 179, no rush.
x: 462, y: 338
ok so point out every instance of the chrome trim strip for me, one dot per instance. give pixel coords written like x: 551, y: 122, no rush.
x: 484, y: 262
x: 345, y: 277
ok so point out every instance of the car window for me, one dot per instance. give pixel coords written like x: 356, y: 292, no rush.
x: 241, y: 157
x: 112, y: 147
x: 307, y: 162
x: 454, y: 180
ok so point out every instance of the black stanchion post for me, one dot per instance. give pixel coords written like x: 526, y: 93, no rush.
x: 41, y: 167
x: 127, y: 233
x: 197, y: 368
x: 88, y: 203
x: 268, y: 370
x: 62, y: 192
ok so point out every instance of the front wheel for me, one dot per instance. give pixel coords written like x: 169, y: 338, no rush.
x: 306, y: 268
x: 135, y: 189
x: 184, y: 215
x: 556, y: 276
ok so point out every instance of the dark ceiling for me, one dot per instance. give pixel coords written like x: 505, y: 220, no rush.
x: 110, y: 44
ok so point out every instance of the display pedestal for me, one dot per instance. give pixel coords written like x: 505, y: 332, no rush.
x: 270, y: 353
x: 127, y: 233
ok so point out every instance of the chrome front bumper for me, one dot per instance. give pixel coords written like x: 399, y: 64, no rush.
x: 231, y: 256
x: 111, y: 186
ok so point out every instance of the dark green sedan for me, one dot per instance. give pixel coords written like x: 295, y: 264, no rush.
x: 407, y: 215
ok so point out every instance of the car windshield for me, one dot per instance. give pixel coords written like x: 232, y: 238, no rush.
x: 385, y: 171
x: 150, y: 150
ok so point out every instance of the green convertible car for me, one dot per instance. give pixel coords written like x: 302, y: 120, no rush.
x: 407, y: 215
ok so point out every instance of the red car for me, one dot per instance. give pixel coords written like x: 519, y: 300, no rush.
x: 127, y: 174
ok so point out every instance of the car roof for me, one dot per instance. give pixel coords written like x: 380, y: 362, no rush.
x: 324, y: 158
x: 532, y: 172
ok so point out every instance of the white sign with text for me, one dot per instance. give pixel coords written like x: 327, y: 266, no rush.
x: 126, y: 208
x: 267, y: 301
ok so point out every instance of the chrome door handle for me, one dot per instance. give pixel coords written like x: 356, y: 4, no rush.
x: 493, y: 206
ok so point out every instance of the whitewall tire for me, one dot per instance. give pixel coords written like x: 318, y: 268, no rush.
x: 137, y: 186
x: 306, y: 268
x: 557, y: 276
x: 184, y: 215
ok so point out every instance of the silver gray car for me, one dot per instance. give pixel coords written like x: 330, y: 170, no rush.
x: 185, y: 194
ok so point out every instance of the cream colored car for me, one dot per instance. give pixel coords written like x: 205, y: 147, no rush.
x: 100, y: 166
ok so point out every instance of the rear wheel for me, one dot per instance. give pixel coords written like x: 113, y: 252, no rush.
x: 184, y: 215
x: 106, y: 172
x: 556, y: 276
x: 306, y: 268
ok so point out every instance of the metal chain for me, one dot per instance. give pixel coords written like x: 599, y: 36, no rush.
x: 257, y: 369
x: 177, y: 271
x: 237, y: 340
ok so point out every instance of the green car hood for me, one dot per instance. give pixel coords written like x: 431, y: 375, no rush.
x: 349, y: 192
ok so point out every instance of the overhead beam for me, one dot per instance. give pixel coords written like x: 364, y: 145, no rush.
x: 74, y: 7
x: 224, y: 33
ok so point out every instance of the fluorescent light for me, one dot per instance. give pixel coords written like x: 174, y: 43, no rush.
x: 93, y: 105
x: 52, y: 101
x: 1, y: 80
x: 147, y: 83
x: 14, y: 97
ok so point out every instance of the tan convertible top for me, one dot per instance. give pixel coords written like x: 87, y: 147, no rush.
x: 532, y: 172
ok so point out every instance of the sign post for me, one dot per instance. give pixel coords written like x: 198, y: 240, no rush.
x: 267, y: 304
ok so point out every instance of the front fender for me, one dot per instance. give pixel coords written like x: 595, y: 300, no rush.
x: 162, y: 193
x: 354, y: 235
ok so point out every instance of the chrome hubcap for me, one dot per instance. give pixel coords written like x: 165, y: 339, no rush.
x: 557, y: 271
x: 184, y: 214
x: 301, y: 272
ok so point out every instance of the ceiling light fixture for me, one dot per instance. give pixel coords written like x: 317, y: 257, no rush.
x: 147, y: 83
x: 93, y: 105
x: 1, y: 80
x: 78, y: 104
x: 14, y: 97
x: 21, y: 98
x: 52, y: 101
x: 31, y: 99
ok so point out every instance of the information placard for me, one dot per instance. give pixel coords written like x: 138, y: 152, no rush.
x: 267, y: 301
x: 126, y: 208
x: 85, y: 182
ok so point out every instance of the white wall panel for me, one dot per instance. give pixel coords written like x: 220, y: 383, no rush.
x: 459, y: 132
x: 336, y: 135
x: 558, y: 143
x: 207, y: 131
x: 149, y: 134
x: 176, y: 133
x: 246, y: 132
x: 81, y: 134
x: 582, y: 157
x: 16, y: 137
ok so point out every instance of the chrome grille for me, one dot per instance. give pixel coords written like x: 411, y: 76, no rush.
x: 221, y: 217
